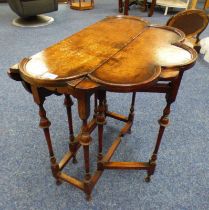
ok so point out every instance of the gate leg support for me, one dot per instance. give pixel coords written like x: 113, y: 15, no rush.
x: 45, y: 124
x: 72, y: 143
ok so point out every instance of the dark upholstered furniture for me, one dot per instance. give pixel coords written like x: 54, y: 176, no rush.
x: 28, y: 8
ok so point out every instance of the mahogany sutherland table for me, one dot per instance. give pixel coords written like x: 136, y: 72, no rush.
x: 118, y: 54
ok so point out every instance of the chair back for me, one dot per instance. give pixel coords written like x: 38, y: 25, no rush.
x: 192, y: 22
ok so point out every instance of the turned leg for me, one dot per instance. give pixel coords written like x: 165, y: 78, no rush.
x: 72, y: 143
x: 85, y: 139
x: 87, y: 183
x: 164, y: 122
x: 100, y: 123
x: 45, y: 124
x: 152, y: 7
x: 105, y: 101
x: 95, y: 105
x: 131, y: 113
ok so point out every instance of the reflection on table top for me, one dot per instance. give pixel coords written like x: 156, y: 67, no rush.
x: 116, y: 52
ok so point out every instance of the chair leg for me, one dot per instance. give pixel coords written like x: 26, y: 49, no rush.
x: 120, y: 6
x: 166, y: 11
x: 152, y: 7
x: 144, y: 6
x: 126, y: 6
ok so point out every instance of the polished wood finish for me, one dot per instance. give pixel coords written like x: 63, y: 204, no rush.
x: 111, y: 55
x: 71, y: 180
x: 117, y: 116
x: 126, y: 165
x: 124, y: 40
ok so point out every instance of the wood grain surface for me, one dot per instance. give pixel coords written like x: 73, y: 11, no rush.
x: 118, y: 53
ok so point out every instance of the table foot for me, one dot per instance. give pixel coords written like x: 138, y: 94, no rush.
x: 151, y: 169
x: 58, y: 182
x: 129, y: 131
x: 152, y: 7
x: 74, y: 161
x: 88, y: 197
x: 87, y: 186
x: 147, y: 178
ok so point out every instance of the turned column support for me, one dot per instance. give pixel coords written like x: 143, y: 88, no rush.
x: 84, y: 112
x: 95, y: 105
x: 72, y: 141
x: 164, y: 122
x: 131, y: 112
x: 44, y: 123
x: 96, y: 102
x: 100, y: 120
x: 84, y: 138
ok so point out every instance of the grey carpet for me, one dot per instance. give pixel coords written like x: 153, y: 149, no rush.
x: 182, y: 175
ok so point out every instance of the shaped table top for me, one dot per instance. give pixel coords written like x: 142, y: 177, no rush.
x: 121, y: 52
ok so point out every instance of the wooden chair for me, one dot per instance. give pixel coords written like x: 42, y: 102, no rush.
x: 192, y: 22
